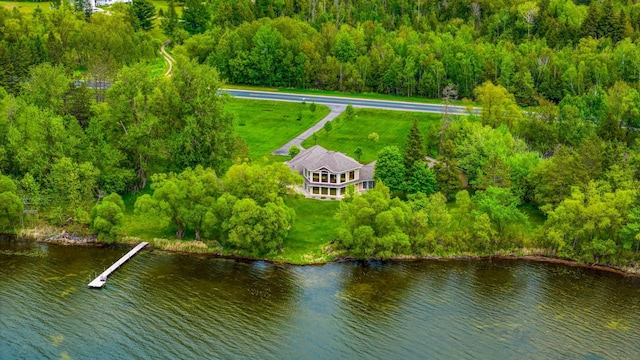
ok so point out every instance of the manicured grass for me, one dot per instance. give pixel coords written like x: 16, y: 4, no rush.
x: 267, y: 125
x: 313, y: 228
x: 26, y: 7
x: 392, y: 128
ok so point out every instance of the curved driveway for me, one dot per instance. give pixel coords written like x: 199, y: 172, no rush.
x: 355, y: 102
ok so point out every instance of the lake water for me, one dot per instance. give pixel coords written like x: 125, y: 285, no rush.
x: 162, y: 305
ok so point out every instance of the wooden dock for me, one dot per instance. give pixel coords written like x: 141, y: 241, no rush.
x: 102, y: 278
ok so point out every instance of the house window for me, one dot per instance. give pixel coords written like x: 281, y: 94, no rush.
x: 324, y: 191
x: 324, y: 178
x: 352, y: 175
x: 342, y: 190
x: 333, y: 178
x: 332, y: 191
x: 315, y: 190
x: 365, y: 185
x: 316, y: 177
x: 343, y: 177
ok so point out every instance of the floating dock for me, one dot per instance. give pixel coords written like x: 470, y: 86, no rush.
x: 102, y: 278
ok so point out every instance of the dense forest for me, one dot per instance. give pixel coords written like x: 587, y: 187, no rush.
x: 81, y: 118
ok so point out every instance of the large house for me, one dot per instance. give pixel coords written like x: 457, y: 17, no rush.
x: 328, y: 173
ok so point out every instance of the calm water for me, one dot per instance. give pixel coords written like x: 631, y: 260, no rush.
x: 163, y: 305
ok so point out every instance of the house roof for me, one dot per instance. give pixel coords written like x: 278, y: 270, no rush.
x: 366, y: 172
x: 317, y: 157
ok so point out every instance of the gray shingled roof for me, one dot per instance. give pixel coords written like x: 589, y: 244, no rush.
x: 317, y: 157
x: 366, y: 172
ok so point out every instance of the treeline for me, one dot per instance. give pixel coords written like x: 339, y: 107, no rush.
x: 91, y: 48
x: 583, y: 176
x: 64, y: 151
x: 534, y: 49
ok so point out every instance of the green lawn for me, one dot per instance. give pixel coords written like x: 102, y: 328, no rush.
x: 313, y: 228
x: 267, y: 125
x: 25, y: 7
x: 392, y: 128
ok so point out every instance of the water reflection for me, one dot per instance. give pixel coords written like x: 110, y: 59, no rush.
x: 162, y: 305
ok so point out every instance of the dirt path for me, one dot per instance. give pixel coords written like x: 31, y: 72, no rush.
x: 167, y: 57
x: 297, y: 141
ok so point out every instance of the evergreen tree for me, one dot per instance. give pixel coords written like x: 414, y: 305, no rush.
x: 590, y: 24
x: 84, y: 6
x: 145, y: 12
x: 169, y: 23
x: 414, y: 150
x: 196, y: 16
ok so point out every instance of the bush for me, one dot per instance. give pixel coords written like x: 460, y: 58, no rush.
x: 328, y: 126
x: 107, y: 216
x: 293, y: 151
x: 373, y: 137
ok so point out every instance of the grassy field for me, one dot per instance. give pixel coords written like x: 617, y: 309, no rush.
x: 26, y: 7
x: 392, y: 128
x: 267, y: 125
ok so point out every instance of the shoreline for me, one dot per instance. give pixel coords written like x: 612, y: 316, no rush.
x: 66, y: 239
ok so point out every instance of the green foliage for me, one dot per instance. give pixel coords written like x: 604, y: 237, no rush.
x: 196, y: 16
x: 498, y: 106
x: 259, y: 229
x: 170, y: 22
x: 358, y: 153
x: 184, y: 198
x: 373, y: 226
x: 10, y: 205
x: 500, y: 205
x: 145, y: 13
x: 589, y: 225
x: 389, y: 168
x: 328, y: 127
x: 293, y: 151
x: 414, y: 149
x: 421, y: 180
x: 262, y: 184
x: 106, y: 217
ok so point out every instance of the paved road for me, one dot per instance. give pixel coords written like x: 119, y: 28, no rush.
x: 359, y: 103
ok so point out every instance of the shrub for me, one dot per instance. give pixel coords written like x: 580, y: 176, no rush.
x: 293, y: 151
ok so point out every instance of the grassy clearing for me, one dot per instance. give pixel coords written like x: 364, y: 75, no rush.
x: 312, y: 230
x: 26, y: 7
x: 267, y: 125
x: 391, y: 126
x: 157, y: 67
